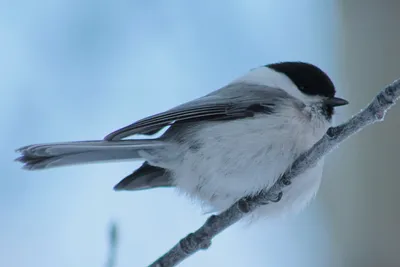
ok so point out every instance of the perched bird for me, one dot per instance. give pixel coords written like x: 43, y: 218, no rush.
x: 228, y: 144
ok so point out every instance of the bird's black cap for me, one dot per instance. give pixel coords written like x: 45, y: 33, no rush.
x: 310, y: 79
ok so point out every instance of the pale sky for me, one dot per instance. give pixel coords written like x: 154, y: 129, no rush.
x: 76, y: 70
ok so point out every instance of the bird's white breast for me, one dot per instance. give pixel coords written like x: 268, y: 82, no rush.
x: 238, y: 158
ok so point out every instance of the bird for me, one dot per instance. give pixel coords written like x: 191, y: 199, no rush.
x: 228, y: 144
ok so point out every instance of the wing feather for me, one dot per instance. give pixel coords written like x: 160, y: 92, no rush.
x: 232, y: 102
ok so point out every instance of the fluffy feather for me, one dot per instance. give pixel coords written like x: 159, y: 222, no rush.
x: 219, y: 148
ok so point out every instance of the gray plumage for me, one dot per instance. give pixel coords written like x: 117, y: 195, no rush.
x: 218, y: 148
x: 224, y: 104
x: 228, y: 103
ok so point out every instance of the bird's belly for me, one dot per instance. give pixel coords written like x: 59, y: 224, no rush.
x: 226, y: 166
x: 295, y: 196
x: 219, y: 188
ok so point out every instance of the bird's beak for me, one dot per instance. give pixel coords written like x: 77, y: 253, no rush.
x: 335, y: 102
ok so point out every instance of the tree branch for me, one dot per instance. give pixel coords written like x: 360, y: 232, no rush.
x: 215, y: 224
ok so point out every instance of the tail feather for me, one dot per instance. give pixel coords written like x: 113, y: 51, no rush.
x: 145, y: 177
x: 51, y: 155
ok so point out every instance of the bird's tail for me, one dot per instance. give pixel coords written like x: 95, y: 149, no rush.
x: 42, y: 156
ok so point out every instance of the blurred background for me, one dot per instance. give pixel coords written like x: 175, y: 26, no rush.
x: 76, y: 70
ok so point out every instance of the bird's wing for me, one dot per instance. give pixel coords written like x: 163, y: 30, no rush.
x: 235, y: 101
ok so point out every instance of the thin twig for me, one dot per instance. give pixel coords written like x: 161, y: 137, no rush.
x: 215, y: 224
x: 113, y: 244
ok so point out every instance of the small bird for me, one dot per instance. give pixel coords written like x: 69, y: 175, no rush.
x: 226, y: 145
